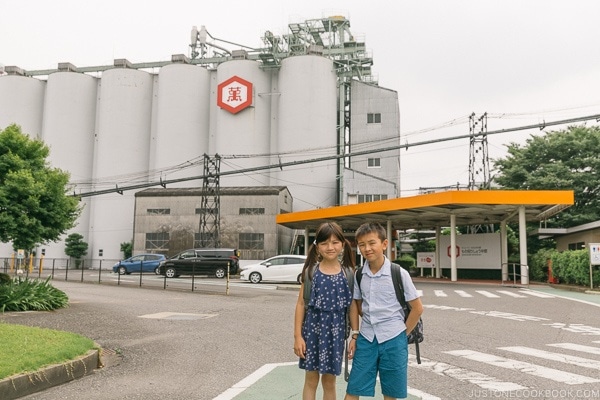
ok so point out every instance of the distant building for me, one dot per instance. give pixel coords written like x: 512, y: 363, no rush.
x: 309, y: 96
x: 167, y: 221
x: 573, y: 238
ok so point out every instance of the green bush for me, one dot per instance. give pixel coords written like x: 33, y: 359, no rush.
x: 24, y: 294
x: 406, y: 261
x: 573, y: 267
x: 5, y: 279
x: 538, y: 264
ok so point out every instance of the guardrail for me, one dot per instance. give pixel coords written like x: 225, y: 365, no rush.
x: 515, y: 274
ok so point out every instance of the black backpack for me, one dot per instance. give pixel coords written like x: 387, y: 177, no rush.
x: 416, y: 335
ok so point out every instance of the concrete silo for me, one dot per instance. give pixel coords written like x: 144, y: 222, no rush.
x: 307, y: 129
x: 182, y: 122
x: 121, y: 156
x: 70, y: 117
x: 21, y: 102
x: 242, y: 129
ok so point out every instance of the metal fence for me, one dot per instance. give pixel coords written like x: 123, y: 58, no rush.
x: 100, y: 271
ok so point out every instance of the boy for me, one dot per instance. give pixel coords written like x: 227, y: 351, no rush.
x: 380, y: 346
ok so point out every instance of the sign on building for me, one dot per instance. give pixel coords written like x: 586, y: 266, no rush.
x: 234, y: 94
x: 480, y: 251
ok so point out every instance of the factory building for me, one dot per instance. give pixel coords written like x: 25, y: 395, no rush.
x: 304, y: 115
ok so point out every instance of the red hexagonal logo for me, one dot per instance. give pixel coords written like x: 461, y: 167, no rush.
x: 234, y: 94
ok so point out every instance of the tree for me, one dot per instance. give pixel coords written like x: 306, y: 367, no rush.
x: 559, y: 160
x: 34, y: 206
x: 127, y: 249
x: 75, y: 247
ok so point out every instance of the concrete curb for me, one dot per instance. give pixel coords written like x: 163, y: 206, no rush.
x: 17, y: 386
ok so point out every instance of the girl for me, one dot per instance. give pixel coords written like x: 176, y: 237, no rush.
x: 320, y: 325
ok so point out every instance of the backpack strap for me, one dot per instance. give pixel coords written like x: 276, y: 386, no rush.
x: 398, y: 287
x: 307, y: 281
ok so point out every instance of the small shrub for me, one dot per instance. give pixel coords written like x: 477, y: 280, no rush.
x: 5, y: 279
x: 24, y: 294
x: 406, y: 261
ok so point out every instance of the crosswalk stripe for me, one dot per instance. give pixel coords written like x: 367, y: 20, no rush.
x: 462, y: 293
x: 440, y: 293
x: 547, y: 355
x: 577, y: 347
x: 512, y: 294
x: 421, y: 395
x: 464, y: 375
x: 537, y: 294
x: 524, y: 367
x: 420, y: 293
x: 488, y: 294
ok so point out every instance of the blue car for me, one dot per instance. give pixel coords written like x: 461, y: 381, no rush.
x: 144, y: 262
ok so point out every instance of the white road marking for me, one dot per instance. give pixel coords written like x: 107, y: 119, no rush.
x: 505, y: 315
x: 524, y: 367
x: 420, y: 293
x: 421, y: 395
x: 464, y: 375
x: 248, y: 381
x: 488, y: 294
x: 577, y: 347
x: 511, y: 294
x: 577, y: 328
x: 462, y: 293
x: 537, y: 294
x: 547, y: 355
x: 440, y: 293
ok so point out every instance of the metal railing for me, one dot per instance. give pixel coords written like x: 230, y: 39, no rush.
x: 101, y: 272
x: 515, y: 274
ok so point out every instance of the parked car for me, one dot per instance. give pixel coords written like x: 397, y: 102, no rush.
x: 283, y: 268
x: 144, y: 262
x: 201, y: 262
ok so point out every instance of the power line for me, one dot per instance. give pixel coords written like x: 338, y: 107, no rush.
x: 282, y: 165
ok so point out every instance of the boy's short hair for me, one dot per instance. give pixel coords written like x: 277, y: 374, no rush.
x: 371, y: 227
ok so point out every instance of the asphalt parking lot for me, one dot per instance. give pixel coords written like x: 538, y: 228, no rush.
x: 170, y: 344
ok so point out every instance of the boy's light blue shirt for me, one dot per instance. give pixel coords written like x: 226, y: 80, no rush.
x: 383, y: 316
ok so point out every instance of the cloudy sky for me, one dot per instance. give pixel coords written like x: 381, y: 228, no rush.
x: 523, y: 62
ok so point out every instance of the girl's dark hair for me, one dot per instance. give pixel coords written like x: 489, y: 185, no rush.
x: 324, y: 232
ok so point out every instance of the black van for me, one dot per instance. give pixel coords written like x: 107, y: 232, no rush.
x: 201, y: 262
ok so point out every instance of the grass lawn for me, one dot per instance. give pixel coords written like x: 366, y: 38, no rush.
x: 27, y: 349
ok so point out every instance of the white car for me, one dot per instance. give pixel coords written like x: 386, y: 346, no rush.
x: 283, y: 268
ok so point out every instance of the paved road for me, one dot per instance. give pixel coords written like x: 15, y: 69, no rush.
x: 202, y: 345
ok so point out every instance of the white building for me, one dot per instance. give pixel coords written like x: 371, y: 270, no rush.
x: 121, y: 128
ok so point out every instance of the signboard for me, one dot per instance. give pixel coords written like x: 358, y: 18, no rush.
x: 595, y: 253
x: 234, y: 94
x: 426, y: 260
x: 482, y: 251
x: 20, y: 253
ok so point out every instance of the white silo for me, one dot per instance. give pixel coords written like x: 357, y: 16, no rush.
x: 182, y: 122
x: 307, y: 129
x: 21, y: 102
x: 121, y: 156
x: 243, y: 133
x: 68, y: 129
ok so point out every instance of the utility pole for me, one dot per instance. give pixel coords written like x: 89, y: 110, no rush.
x: 479, y: 163
x: 210, y: 215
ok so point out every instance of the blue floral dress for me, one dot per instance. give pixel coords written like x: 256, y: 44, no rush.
x: 324, y: 326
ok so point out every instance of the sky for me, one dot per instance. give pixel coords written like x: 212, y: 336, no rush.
x: 522, y: 62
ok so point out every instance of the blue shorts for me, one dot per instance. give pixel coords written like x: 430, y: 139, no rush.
x: 389, y: 358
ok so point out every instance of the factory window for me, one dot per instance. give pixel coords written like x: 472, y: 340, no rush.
x: 202, y: 210
x: 201, y: 239
x: 252, y: 241
x: 159, y: 211
x: 157, y: 241
x: 365, y: 198
x: 251, y: 211
x: 374, y: 118
x: 577, y: 246
x: 374, y: 163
